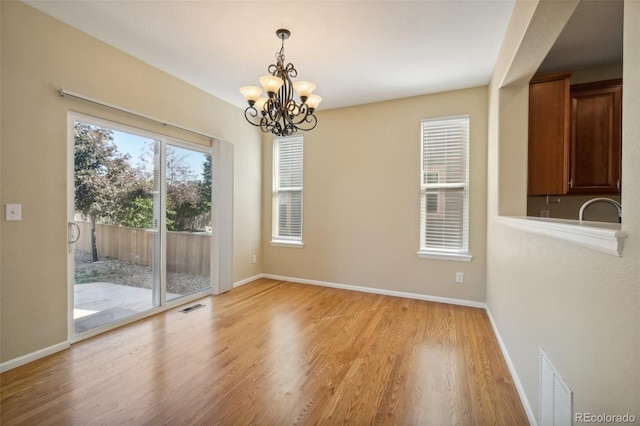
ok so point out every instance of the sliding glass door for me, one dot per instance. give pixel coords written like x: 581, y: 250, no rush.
x: 140, y: 228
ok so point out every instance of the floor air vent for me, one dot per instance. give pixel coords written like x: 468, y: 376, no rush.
x: 192, y: 308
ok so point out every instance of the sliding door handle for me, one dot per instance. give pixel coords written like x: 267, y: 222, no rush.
x: 71, y: 237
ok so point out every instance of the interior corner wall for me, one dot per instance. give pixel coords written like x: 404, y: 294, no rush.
x: 362, y: 199
x: 40, y: 55
x: 582, y: 306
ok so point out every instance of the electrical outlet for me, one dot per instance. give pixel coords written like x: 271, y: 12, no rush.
x: 459, y: 277
x: 254, y: 258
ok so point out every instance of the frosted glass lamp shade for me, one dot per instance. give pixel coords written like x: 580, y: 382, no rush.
x: 271, y: 83
x: 313, y: 101
x: 251, y: 93
x: 304, y: 89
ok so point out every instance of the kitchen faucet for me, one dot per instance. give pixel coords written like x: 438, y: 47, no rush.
x: 598, y: 200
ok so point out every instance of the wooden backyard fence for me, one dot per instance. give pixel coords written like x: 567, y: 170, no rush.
x: 186, y: 252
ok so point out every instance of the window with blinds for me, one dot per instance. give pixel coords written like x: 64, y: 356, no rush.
x: 444, y: 187
x: 287, y: 190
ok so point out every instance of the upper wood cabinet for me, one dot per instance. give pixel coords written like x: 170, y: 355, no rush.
x: 574, y: 136
x: 549, y: 121
x: 596, y: 126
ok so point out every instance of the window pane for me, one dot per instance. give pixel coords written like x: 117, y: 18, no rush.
x: 117, y: 254
x: 444, y: 151
x: 432, y: 177
x: 188, y: 182
x: 445, y: 228
x: 289, y: 163
x: 290, y: 214
x: 432, y: 202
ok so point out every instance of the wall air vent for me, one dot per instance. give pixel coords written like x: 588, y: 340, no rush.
x: 192, y: 308
x: 556, y: 399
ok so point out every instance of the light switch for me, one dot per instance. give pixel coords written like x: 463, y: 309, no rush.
x: 14, y: 212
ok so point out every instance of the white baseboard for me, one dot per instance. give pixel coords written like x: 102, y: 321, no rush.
x: 512, y: 369
x: 25, y: 359
x: 248, y: 280
x: 385, y: 292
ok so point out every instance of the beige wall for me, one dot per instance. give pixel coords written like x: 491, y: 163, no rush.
x: 361, y: 199
x: 582, y: 306
x: 39, y: 56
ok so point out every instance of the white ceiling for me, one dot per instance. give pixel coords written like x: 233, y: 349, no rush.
x: 355, y: 51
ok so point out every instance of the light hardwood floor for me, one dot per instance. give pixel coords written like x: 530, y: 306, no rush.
x: 277, y: 353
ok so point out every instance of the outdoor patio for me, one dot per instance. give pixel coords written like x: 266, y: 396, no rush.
x: 100, y: 303
x: 110, y: 289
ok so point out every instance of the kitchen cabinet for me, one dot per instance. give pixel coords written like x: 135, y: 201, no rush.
x: 574, y: 136
x: 595, y: 142
x: 549, y: 123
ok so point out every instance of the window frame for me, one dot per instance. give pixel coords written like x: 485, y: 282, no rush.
x: 276, y: 209
x: 429, y: 188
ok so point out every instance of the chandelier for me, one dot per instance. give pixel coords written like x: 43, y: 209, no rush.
x: 279, y: 113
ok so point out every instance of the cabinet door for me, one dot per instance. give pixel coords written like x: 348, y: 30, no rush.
x: 596, y: 122
x: 548, y: 135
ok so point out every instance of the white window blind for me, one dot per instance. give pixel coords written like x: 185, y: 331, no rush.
x: 287, y: 190
x: 444, y: 183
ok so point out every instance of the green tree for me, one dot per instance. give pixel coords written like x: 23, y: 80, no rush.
x: 182, y: 189
x: 188, y: 195
x: 140, y: 213
x: 204, y: 188
x: 103, y: 177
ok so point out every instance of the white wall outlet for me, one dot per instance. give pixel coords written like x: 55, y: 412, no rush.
x: 459, y: 277
x: 254, y: 258
x: 13, y: 212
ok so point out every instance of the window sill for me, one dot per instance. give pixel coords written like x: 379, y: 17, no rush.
x: 281, y: 243
x: 441, y: 255
x: 599, y: 236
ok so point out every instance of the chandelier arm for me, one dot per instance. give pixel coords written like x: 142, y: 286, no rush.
x: 273, y: 108
x: 250, y: 114
x: 309, y: 123
x: 303, y: 115
x: 265, y: 124
x: 291, y: 71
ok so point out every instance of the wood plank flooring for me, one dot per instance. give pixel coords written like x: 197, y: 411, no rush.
x: 277, y: 353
